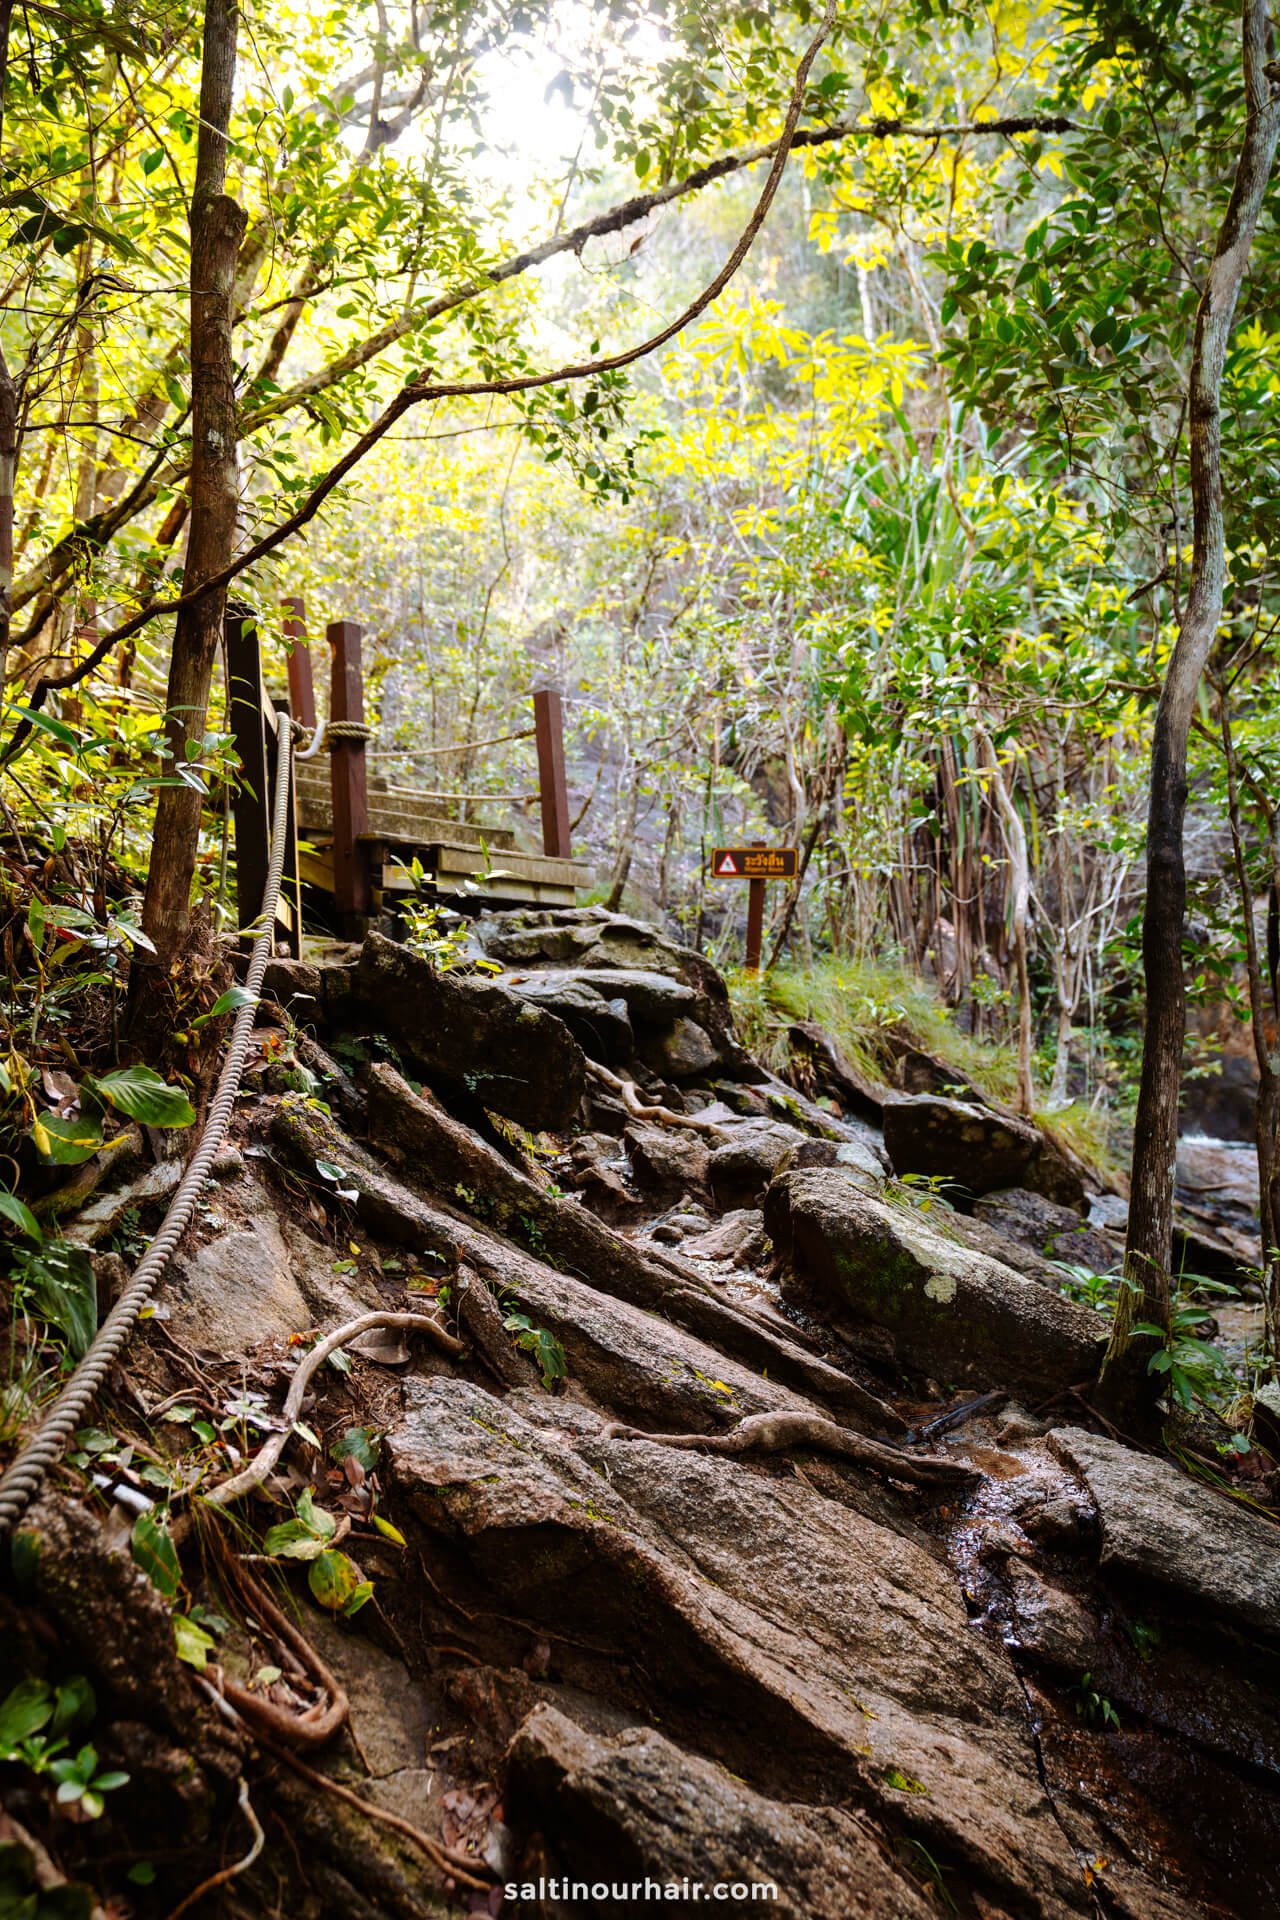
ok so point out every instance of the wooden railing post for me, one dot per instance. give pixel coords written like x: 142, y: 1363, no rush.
x: 251, y: 806
x: 548, y: 720
x: 352, y: 890
x: 302, y: 698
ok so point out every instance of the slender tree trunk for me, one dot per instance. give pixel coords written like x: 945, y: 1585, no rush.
x: 1015, y: 841
x: 626, y: 845
x: 217, y: 228
x: 1127, y: 1386
x: 8, y: 477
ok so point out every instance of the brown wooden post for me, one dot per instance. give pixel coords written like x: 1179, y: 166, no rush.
x: 348, y: 773
x: 548, y: 719
x: 755, y: 919
x: 251, y: 805
x: 302, y: 698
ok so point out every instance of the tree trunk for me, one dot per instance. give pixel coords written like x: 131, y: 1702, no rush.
x: 1127, y: 1386
x: 626, y: 845
x: 1015, y: 841
x: 217, y: 228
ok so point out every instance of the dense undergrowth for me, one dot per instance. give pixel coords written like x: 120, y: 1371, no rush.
x: 873, y: 1009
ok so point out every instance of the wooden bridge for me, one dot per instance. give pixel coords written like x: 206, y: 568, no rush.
x: 358, y: 837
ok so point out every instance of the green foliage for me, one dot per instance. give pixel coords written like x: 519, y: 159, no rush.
x: 306, y: 1536
x: 155, y: 1553
x: 142, y: 1094
x: 360, y: 1444
x: 336, y: 1585
x: 55, y: 1281
x: 1093, y: 1707
x: 36, y: 1721
x: 545, y: 1349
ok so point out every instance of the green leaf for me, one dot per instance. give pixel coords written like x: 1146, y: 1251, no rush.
x: 360, y: 1444
x: 65, y: 1142
x: 144, y: 1096
x: 24, y: 1711
x: 229, y: 1002
x: 334, y: 1580
x: 11, y: 1208
x: 192, y: 1643
x: 292, y: 1540
x: 389, y: 1532
x: 63, y: 1290
x: 155, y: 1553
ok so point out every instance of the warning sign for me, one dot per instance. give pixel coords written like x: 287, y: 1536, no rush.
x: 754, y: 863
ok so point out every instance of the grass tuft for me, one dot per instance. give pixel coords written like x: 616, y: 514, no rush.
x: 873, y: 1010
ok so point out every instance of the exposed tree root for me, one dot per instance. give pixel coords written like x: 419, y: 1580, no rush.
x: 265, y: 1460
x: 226, y: 1874
x: 629, y: 1095
x: 458, y: 1866
x: 316, y: 1725
x: 775, y: 1432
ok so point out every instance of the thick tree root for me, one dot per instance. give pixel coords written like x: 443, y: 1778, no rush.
x: 660, y: 1116
x: 776, y: 1432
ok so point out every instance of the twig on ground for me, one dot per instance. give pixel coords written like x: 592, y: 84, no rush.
x: 225, y: 1874
x: 446, y: 1859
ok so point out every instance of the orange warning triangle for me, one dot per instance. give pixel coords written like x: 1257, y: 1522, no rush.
x: 727, y: 864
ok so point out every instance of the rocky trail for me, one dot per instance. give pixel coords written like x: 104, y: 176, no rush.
x: 744, y: 1525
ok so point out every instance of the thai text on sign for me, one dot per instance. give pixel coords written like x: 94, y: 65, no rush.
x: 754, y: 863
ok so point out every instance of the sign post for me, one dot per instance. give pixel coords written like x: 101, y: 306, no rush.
x: 755, y: 864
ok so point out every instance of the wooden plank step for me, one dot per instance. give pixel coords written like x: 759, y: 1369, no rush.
x: 521, y: 866
x: 410, y: 826
x: 396, y: 879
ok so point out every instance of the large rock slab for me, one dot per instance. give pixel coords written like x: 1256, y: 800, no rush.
x: 594, y: 1012
x: 1049, y: 1230
x: 473, y: 1035
x: 953, y: 1314
x: 821, y: 1656
x: 635, y: 1804
x: 977, y: 1147
x: 742, y: 1168
x: 1161, y: 1527
x: 604, y: 943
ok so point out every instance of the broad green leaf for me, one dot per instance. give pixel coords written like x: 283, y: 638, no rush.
x: 360, y: 1444
x: 293, y: 1540
x: 66, y: 1142
x: 11, y: 1208
x: 192, y: 1643
x: 155, y: 1553
x: 229, y: 1002
x: 24, y: 1711
x: 144, y: 1096
x: 334, y: 1580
